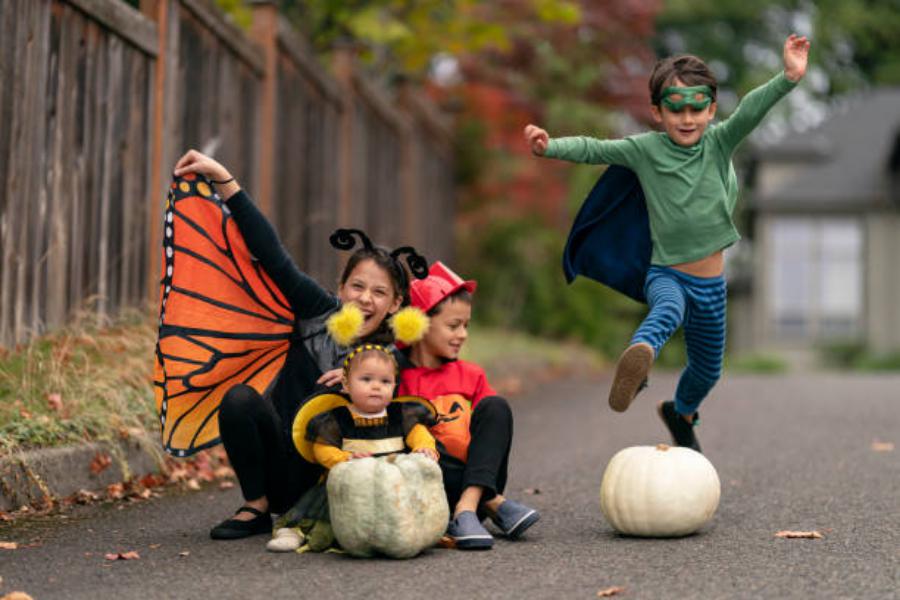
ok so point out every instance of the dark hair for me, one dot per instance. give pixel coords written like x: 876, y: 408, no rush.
x: 381, y: 257
x: 462, y: 294
x: 686, y: 67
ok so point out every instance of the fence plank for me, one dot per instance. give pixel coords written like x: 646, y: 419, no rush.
x: 124, y: 21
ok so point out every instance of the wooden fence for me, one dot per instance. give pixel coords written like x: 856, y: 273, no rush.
x: 97, y: 101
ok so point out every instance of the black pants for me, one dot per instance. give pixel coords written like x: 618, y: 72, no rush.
x: 260, y: 450
x: 488, y: 460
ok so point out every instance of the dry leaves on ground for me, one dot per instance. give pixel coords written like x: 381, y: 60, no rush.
x: 131, y: 555
x: 8, y: 545
x: 100, y: 463
x: 610, y: 591
x: 813, y: 535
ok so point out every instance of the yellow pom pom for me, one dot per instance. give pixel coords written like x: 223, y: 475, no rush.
x: 345, y: 324
x: 409, y: 325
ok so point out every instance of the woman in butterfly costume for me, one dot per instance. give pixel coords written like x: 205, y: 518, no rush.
x: 243, y: 337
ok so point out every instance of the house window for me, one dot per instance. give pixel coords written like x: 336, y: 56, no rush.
x: 816, y: 278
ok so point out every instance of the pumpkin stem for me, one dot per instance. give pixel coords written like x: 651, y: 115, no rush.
x: 662, y: 447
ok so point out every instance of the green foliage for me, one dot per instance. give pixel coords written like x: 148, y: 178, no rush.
x: 856, y: 356
x: 238, y: 11
x: 771, y: 364
x: 402, y: 36
x: 521, y: 286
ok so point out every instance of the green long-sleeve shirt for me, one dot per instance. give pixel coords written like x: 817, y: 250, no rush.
x: 691, y: 191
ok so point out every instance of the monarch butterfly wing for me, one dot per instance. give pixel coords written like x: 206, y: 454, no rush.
x: 221, y: 319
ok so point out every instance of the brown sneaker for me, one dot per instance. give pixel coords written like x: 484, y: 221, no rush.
x: 631, y: 375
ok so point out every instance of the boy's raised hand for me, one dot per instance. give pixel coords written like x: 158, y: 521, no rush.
x: 537, y: 138
x: 796, y: 54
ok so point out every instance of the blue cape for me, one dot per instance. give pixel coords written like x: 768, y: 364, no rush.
x: 610, y: 238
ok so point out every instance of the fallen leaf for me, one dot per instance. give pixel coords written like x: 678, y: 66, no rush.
x: 54, y: 401
x: 130, y: 555
x: 100, y: 463
x: 193, y: 484
x: 24, y: 413
x: 878, y: 446
x: 185, y: 553
x: 815, y: 535
x: 224, y: 473
x: 447, y: 542
x: 85, y: 497
x: 4, y: 516
x: 610, y: 591
x: 532, y: 490
x: 226, y: 485
x: 155, y: 546
x: 152, y: 480
x: 8, y: 545
x: 115, y: 491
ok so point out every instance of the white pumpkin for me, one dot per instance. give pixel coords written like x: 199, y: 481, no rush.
x: 660, y: 491
x: 393, y: 505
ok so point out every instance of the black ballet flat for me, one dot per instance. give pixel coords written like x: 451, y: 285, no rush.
x: 234, y: 529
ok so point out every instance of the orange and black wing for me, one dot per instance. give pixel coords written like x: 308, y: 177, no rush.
x: 221, y: 319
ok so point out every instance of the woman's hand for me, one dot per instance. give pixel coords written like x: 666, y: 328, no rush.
x: 331, y: 378
x: 537, y: 139
x: 197, y: 162
x: 796, y: 55
x: 429, y: 452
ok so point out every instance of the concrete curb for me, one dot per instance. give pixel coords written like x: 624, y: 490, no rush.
x: 31, y: 475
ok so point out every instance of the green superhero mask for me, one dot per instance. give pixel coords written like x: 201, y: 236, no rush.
x: 697, y: 97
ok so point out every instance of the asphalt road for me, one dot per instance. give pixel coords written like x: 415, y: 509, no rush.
x: 792, y: 453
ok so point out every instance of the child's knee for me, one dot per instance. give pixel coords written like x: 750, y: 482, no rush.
x: 493, y: 407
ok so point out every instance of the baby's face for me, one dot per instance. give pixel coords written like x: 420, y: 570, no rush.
x: 449, y: 329
x: 686, y: 126
x: 371, y: 383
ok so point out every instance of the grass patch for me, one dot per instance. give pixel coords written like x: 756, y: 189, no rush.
x: 87, y: 382
x: 855, y: 356
x: 766, y: 364
x: 93, y: 382
x: 502, y: 351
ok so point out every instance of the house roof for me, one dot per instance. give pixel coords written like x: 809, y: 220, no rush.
x: 844, y: 163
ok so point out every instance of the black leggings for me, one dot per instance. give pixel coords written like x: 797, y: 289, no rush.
x: 260, y: 450
x: 488, y: 460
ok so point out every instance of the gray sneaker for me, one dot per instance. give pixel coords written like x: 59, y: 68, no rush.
x: 513, y: 518
x: 468, y: 533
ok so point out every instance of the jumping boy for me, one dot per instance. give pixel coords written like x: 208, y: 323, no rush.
x: 691, y: 189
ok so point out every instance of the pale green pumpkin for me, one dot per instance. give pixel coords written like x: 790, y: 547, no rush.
x: 660, y: 491
x: 392, y: 505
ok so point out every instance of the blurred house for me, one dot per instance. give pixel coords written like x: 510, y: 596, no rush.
x: 824, y: 264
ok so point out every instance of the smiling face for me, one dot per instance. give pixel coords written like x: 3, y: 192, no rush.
x: 370, y: 382
x: 448, y: 330
x: 686, y: 126
x: 371, y: 289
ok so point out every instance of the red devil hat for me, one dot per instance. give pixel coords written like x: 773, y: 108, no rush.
x: 441, y: 282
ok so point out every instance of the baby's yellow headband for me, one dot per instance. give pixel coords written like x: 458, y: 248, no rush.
x: 363, y: 348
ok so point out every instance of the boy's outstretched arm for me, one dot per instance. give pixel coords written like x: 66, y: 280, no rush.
x: 581, y: 149
x: 796, y: 55
x: 754, y: 106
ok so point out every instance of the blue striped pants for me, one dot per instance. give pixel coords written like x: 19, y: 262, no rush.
x: 697, y: 303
